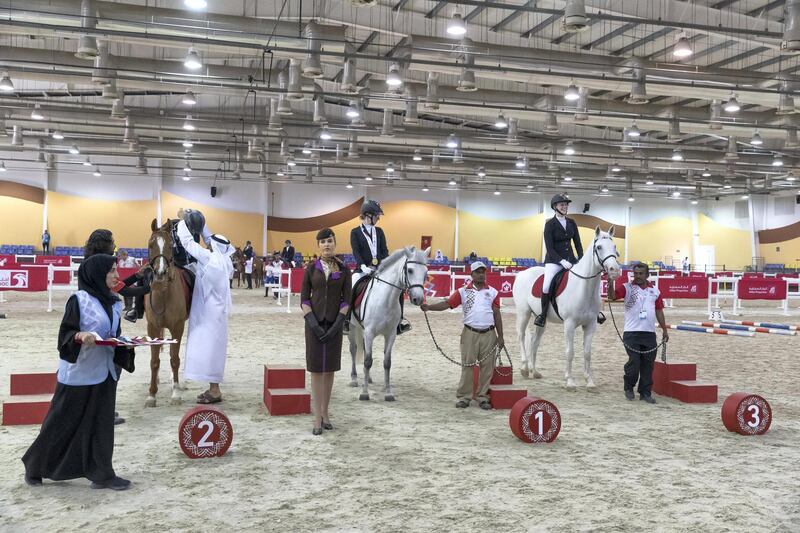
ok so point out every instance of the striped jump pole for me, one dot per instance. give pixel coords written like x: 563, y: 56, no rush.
x: 790, y: 327
x: 737, y: 327
x: 715, y: 331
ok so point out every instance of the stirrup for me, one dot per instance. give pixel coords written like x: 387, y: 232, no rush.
x: 131, y: 315
x: 346, y: 327
x: 601, y: 317
x: 540, y: 320
x: 403, y: 327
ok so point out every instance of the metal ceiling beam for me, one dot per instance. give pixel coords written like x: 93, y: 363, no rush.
x: 363, y: 46
x: 513, y: 16
x: 438, y: 7
x: 608, y: 36
x: 542, y: 25
x: 474, y: 13
x: 636, y: 44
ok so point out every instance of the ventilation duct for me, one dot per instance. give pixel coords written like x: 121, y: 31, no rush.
x: 551, y: 123
x: 352, y: 149
x: 732, y: 153
x: 129, y: 136
x: 386, y: 129
x: 785, y: 102
x: 674, y: 134
x: 312, y: 67
x: 466, y: 83
x: 348, y: 84
x: 319, y: 106
x: 284, y: 108
x: 458, y: 156
x: 435, y: 159
x: 791, y: 139
x: 583, y: 104
x: 87, y: 45
x: 51, y: 162
x: 575, y: 16
x: 412, y: 116
x: 284, y: 150
x: 275, y: 121
x: 626, y: 147
x: 110, y: 91
x: 791, y: 26
x: 338, y: 158
x: 432, y: 93
x: 715, y: 115
x: 16, y: 137
x: 511, y: 136
x: 294, y: 91
x: 102, y: 73
x: 638, y: 95
x: 141, y: 164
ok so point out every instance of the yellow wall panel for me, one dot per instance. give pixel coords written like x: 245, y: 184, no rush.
x: 236, y: 226
x: 404, y: 223
x: 668, y: 237
x: 786, y: 252
x: 72, y: 218
x: 731, y: 245
x: 500, y: 238
x: 20, y: 222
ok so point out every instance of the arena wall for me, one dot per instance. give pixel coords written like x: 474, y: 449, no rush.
x: 20, y: 221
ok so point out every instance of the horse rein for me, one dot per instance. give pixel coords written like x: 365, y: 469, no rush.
x: 168, y: 261
x: 601, y: 261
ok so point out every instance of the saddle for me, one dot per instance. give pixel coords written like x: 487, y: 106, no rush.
x: 357, y: 296
x: 560, y: 281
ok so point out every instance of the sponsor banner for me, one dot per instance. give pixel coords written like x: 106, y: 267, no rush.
x: 29, y: 280
x: 749, y: 275
x: 683, y: 288
x: 762, y: 289
x: 502, y: 282
x: 437, y: 285
x: 55, y: 260
x: 7, y: 260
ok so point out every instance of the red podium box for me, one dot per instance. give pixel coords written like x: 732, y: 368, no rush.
x: 664, y: 373
x: 26, y: 410
x: 502, y: 375
x: 693, y: 391
x: 284, y: 377
x: 505, y: 396
x: 287, y: 401
x: 33, y: 383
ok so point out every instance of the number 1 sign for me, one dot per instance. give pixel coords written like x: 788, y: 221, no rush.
x: 533, y: 419
x: 746, y: 414
x: 205, y: 432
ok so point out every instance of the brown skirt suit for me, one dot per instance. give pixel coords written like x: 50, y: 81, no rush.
x: 325, y: 297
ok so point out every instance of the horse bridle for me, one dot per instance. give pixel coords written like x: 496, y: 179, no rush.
x: 406, y: 282
x: 601, y: 261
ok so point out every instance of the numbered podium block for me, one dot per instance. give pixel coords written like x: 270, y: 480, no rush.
x: 33, y: 383
x: 666, y: 372
x: 284, y: 390
x: 204, y: 432
x: 746, y: 414
x: 505, y: 396
x: 694, y: 391
x: 502, y: 375
x: 534, y: 420
x: 26, y: 410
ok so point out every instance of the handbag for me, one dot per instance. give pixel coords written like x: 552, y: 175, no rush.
x: 124, y: 358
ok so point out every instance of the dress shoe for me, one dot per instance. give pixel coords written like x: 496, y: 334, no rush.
x: 115, y: 483
x: 316, y: 431
x: 629, y: 394
x: 33, y: 481
x: 327, y: 425
x: 648, y: 399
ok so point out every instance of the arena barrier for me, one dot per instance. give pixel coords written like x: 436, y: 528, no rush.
x: 722, y: 286
x: 715, y: 331
x: 761, y: 288
x: 790, y: 327
x: 738, y: 327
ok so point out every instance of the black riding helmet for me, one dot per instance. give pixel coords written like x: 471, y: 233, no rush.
x: 371, y: 207
x: 195, y: 221
x: 558, y: 198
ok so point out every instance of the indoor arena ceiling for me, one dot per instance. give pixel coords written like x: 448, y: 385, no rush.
x: 646, y: 97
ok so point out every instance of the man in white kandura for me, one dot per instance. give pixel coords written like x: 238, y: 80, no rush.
x: 207, y: 345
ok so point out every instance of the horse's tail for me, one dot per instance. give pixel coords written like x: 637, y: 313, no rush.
x: 357, y: 337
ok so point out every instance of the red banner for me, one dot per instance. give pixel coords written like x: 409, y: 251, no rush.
x: 501, y: 281
x: 684, y: 288
x: 55, y: 260
x: 762, y: 289
x: 749, y: 275
x: 437, y: 286
x: 7, y: 260
x: 29, y: 280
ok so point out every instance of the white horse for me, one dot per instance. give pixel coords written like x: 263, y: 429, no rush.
x: 578, y: 305
x: 404, y: 271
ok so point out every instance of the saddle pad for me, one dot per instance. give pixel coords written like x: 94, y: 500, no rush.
x: 536, y: 290
x: 359, y: 290
x: 187, y: 281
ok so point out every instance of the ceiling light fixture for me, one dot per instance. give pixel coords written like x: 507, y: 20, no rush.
x: 727, y: 184
x: 500, y: 122
x: 192, y: 61
x: 349, y: 185
x: 3, y: 166
x: 497, y: 190
x: 452, y: 141
x: 604, y: 188
x: 569, y: 149
x: 649, y: 181
x: 572, y: 93
x: 187, y: 167
x: 195, y: 4
x: 732, y: 105
x: 676, y: 194
x: 417, y: 155
x: 745, y: 196
x: 677, y: 155
x: 452, y: 182
x: 694, y: 202
x: 456, y: 26
x: 481, y: 172
x: 74, y: 149
x: 36, y: 114
x: 290, y: 162
x: 756, y: 139
x: 57, y: 135
x: 189, y: 98
x: 5, y: 83
x: 390, y: 167
x: 97, y: 172
x: 325, y: 135
x: 522, y: 161
x: 706, y: 173
x: 777, y: 160
x: 682, y: 48
x: 633, y: 131
x: 425, y: 188
x: 87, y: 163
x: 187, y: 143
x: 393, y: 78
x: 615, y: 167
x: 187, y: 124
x: 186, y: 177
x: 631, y: 198
x: 368, y: 177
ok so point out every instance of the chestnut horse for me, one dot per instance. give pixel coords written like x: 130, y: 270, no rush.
x: 165, y: 307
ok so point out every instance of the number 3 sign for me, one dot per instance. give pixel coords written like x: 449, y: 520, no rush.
x: 746, y: 414
x: 205, y: 432
x: 533, y: 419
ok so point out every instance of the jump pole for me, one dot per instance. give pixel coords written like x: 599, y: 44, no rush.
x: 761, y: 324
x: 740, y: 328
x: 715, y: 331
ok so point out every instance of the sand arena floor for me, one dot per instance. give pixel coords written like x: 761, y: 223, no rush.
x: 419, y: 463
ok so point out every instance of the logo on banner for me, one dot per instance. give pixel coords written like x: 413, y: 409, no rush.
x: 772, y: 290
x: 14, y: 279
x: 505, y: 287
x: 3, y: 261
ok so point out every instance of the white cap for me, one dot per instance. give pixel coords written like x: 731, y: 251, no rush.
x: 476, y: 265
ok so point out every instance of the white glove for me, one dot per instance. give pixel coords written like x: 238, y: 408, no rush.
x: 367, y: 270
x: 566, y: 264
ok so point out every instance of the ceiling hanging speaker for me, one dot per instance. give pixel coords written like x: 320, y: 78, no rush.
x: 213, y: 192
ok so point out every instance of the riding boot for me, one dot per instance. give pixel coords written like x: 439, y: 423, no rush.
x: 542, y: 318
x: 404, y: 325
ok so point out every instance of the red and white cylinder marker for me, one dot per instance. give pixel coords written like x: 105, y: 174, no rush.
x: 533, y: 419
x: 746, y: 414
x: 205, y: 432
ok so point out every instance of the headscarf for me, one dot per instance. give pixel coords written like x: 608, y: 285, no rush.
x: 220, y: 244
x: 92, y: 279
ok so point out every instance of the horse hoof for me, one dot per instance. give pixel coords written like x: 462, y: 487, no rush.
x: 590, y: 386
x: 176, y: 400
x: 354, y: 383
x: 388, y: 398
x: 571, y: 387
x: 537, y: 374
x: 150, y: 402
x: 363, y: 397
x: 524, y: 373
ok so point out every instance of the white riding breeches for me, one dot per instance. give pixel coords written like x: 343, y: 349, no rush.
x: 360, y: 273
x: 550, y: 271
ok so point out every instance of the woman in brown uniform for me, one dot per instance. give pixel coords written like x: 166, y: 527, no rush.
x: 325, y: 300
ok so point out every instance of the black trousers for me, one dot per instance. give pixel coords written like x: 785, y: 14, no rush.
x: 46, y: 247
x: 640, y: 365
x: 249, y: 280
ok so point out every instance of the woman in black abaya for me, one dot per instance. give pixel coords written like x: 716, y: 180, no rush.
x: 77, y: 437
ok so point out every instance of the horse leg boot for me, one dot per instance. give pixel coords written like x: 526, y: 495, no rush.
x: 404, y: 324
x: 542, y: 318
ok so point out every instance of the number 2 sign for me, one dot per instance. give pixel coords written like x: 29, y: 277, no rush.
x: 205, y: 432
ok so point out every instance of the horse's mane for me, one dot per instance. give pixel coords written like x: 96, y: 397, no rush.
x: 392, y: 260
